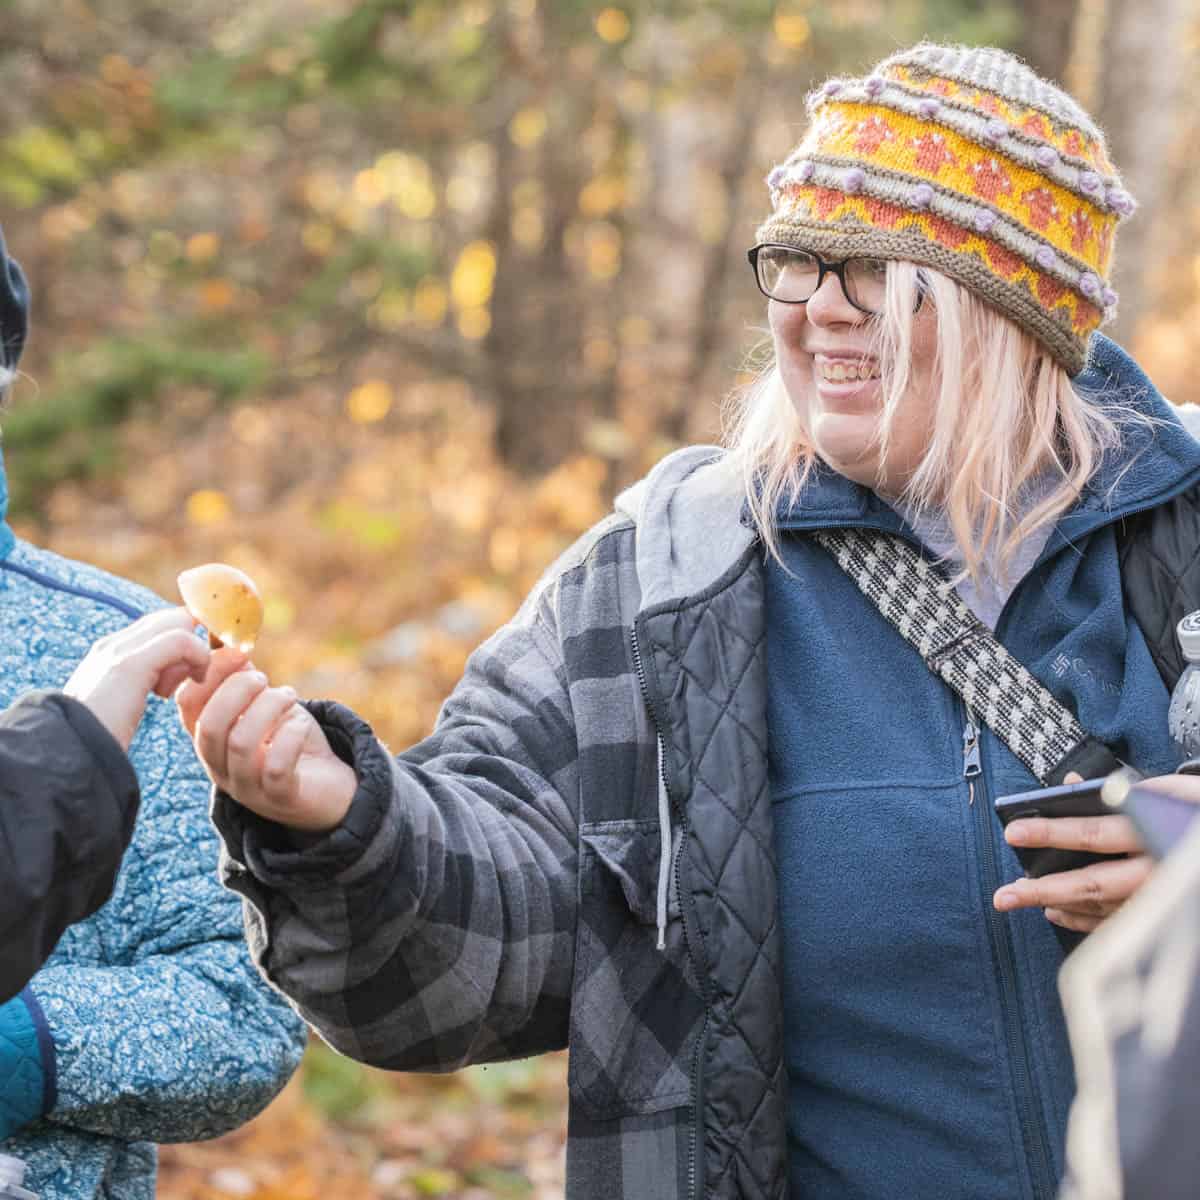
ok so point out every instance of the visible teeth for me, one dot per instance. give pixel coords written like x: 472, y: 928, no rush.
x: 841, y: 372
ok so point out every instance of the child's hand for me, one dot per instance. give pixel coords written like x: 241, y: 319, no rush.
x: 155, y: 654
x: 263, y: 749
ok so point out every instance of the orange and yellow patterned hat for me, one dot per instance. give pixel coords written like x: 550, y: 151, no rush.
x: 963, y: 160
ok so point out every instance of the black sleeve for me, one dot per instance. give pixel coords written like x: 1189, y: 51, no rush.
x: 68, y: 800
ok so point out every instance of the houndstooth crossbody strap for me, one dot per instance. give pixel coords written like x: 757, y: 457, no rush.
x: 961, y: 650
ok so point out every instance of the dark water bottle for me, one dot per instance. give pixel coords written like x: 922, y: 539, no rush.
x: 1183, y: 717
x: 12, y: 1175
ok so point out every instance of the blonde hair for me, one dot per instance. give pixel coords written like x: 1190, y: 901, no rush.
x: 1004, y: 414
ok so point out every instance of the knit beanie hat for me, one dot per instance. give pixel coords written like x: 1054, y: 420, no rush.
x: 963, y: 160
x: 14, y: 309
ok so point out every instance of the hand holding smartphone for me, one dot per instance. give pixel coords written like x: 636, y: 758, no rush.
x: 1162, y: 818
x: 1075, y: 886
x: 1084, y: 799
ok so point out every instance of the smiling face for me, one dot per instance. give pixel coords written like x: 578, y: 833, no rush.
x: 827, y: 354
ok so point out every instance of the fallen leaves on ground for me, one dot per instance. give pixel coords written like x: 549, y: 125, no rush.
x: 488, y: 1133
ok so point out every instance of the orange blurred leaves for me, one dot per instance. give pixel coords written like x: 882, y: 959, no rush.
x: 488, y: 1132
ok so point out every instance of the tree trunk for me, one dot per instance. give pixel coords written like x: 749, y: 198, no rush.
x: 1145, y: 57
x: 736, y: 156
x: 536, y: 339
x: 535, y: 345
x: 1046, y: 28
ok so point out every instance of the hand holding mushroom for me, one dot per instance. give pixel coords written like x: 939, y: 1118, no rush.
x: 154, y: 654
x: 256, y: 742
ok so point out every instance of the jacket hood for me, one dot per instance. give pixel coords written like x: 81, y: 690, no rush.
x: 688, y: 511
x: 1154, y: 460
x: 690, y: 508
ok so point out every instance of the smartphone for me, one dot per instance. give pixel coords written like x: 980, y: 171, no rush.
x: 1083, y: 799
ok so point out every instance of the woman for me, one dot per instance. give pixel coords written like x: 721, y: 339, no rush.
x: 698, y: 812
x: 147, y: 1023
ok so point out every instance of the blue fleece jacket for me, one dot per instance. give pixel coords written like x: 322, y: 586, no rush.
x: 148, y: 1023
x: 925, y: 1045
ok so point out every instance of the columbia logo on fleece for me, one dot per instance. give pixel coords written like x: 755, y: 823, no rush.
x: 1062, y: 665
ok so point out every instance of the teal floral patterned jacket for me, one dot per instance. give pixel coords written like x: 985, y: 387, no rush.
x: 148, y: 1024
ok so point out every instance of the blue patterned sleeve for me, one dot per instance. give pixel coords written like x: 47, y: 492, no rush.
x: 175, y: 1037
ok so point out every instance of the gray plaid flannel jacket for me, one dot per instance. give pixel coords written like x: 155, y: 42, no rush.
x: 579, y: 855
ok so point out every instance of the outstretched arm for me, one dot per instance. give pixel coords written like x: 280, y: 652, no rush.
x: 170, y: 1035
x: 434, y: 924
x: 68, y: 793
x: 68, y: 798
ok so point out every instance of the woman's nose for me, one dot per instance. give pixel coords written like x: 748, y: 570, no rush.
x: 828, y: 304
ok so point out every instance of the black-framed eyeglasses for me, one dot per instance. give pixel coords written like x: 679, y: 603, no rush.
x: 793, y: 276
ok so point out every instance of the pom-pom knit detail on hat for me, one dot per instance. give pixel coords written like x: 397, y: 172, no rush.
x: 962, y: 159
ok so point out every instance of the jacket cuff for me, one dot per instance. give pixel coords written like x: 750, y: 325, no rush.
x: 107, y: 752
x: 27, y: 1064
x: 98, y: 743
x: 277, y: 855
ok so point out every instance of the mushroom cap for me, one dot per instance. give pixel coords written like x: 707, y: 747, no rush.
x: 225, y: 601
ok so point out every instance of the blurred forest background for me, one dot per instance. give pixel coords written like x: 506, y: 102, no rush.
x: 382, y: 299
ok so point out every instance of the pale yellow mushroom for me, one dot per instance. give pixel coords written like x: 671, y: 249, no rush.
x: 225, y: 601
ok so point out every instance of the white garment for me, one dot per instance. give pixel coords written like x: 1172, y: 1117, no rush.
x: 988, y: 599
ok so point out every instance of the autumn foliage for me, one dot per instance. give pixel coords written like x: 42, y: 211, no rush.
x: 381, y: 301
